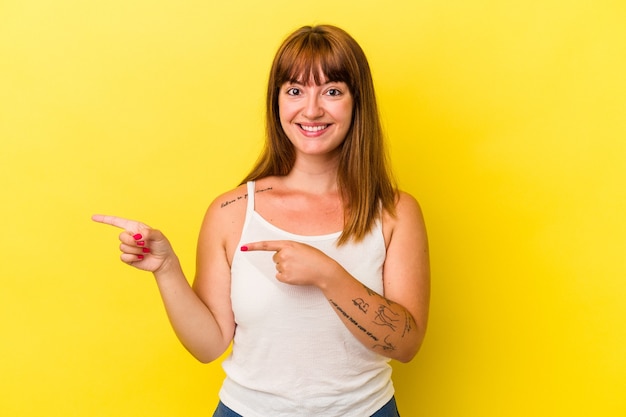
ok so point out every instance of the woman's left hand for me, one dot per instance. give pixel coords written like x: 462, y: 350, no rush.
x: 297, y: 263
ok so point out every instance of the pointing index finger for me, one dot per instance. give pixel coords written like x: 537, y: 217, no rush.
x: 265, y: 245
x: 120, y: 222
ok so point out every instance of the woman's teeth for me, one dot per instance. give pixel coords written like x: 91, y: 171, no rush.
x: 313, y: 128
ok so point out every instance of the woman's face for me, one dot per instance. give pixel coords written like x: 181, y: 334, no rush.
x: 315, y: 118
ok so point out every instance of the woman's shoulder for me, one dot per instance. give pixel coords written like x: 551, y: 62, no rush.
x: 405, y: 205
x: 234, y: 197
x: 224, y: 221
x: 230, y: 206
x: 406, y: 201
x: 238, y: 196
x: 408, y: 215
x: 227, y: 208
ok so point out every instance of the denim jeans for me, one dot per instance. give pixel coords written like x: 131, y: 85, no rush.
x: 388, y: 410
x: 223, y: 411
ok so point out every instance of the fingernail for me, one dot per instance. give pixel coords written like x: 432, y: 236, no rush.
x: 244, y: 248
x: 137, y: 236
x: 140, y: 257
x: 145, y: 250
x: 141, y: 243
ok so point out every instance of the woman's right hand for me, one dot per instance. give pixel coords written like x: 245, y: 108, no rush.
x: 143, y: 247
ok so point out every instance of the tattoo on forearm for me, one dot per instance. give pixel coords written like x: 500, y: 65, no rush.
x: 386, y: 346
x: 369, y: 291
x: 408, y: 324
x: 353, y: 321
x: 373, y: 293
x: 386, y: 317
x: 242, y: 197
x: 361, y: 304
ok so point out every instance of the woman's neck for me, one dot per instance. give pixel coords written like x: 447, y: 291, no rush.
x: 317, y: 177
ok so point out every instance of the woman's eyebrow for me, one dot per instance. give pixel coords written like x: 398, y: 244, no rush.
x: 302, y: 83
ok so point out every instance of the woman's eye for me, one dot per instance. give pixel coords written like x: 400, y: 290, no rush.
x: 333, y: 92
x: 293, y: 91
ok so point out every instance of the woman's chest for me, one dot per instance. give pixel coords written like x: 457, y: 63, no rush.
x: 307, y: 215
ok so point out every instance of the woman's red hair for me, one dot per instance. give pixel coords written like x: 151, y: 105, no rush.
x: 324, y: 52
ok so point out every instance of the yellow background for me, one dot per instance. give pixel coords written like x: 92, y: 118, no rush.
x: 506, y: 119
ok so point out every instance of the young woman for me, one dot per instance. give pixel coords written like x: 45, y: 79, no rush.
x: 316, y: 266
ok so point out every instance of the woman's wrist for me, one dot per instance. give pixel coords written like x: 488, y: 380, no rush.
x: 169, y: 267
x: 332, y: 276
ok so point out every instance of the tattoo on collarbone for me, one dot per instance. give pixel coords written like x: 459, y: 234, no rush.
x: 361, y: 304
x: 353, y: 321
x: 386, y: 317
x: 228, y: 203
x: 242, y: 197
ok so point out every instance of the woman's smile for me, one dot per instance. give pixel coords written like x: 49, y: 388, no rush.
x: 313, y: 128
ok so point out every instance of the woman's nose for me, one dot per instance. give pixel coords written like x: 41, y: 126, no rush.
x: 313, y: 107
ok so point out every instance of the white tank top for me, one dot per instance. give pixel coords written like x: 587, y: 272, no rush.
x: 292, y: 355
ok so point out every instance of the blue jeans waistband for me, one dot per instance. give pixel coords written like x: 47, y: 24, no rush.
x: 388, y: 410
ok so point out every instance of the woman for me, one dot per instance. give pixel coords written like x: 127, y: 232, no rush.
x: 316, y: 266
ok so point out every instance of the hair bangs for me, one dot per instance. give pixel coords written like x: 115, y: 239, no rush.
x: 313, y: 60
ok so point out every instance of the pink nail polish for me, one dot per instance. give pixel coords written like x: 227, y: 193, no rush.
x: 145, y: 250
x: 244, y: 248
x: 141, y: 243
x: 140, y: 257
x: 137, y: 236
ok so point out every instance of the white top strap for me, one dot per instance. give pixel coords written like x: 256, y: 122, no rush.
x: 251, y: 189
